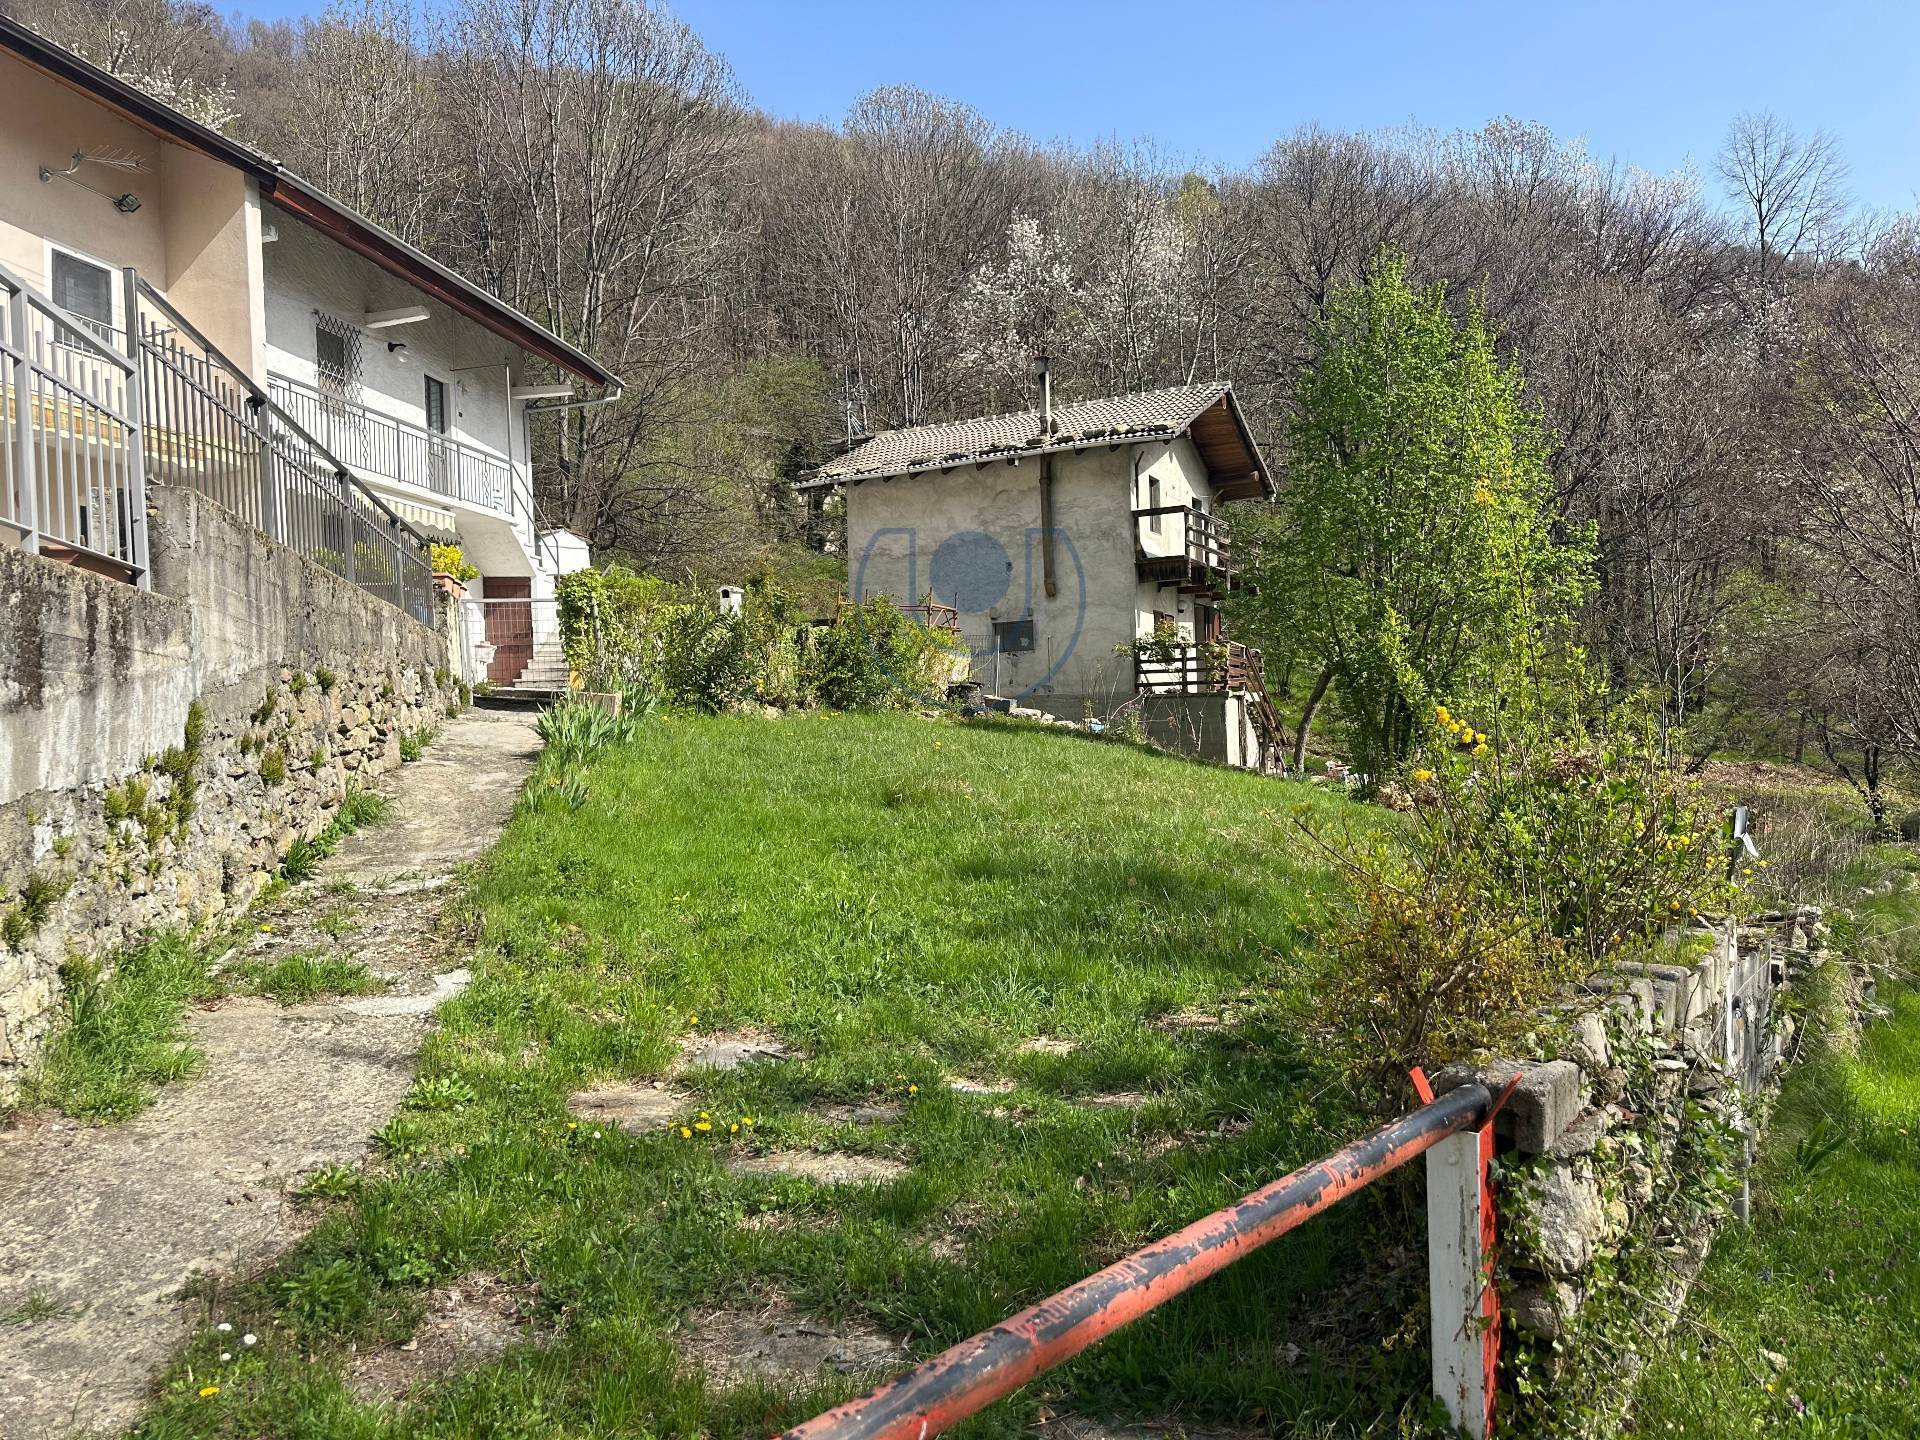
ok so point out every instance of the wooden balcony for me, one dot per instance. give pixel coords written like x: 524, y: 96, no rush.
x: 1194, y: 551
x: 1199, y: 670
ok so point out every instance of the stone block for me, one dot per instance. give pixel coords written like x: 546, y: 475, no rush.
x: 1543, y: 1104
x: 1570, y: 1219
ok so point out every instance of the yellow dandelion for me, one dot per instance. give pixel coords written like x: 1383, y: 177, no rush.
x: 693, y: 1019
x: 734, y: 1129
x: 266, y: 929
x: 703, y: 1126
x: 913, y: 1089
x: 573, y: 1124
x: 207, y: 1392
x: 1420, y: 777
x: 685, y: 1133
x: 1480, y: 748
x: 747, y: 1120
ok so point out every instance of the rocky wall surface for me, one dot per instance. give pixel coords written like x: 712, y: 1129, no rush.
x: 164, y: 749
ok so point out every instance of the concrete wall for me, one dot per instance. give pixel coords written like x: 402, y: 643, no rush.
x: 989, y: 521
x: 284, y: 659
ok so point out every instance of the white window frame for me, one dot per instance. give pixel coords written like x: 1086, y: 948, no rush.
x: 115, y: 306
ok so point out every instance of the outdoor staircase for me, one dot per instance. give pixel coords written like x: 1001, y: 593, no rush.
x: 544, y: 676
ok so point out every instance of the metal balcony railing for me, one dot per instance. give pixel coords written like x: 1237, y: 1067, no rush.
x: 206, y: 426
x: 383, y: 447
x: 71, y: 474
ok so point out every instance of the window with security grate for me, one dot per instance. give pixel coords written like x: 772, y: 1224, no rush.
x: 336, y: 354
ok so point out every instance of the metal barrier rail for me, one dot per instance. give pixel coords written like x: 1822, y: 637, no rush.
x: 1453, y: 1131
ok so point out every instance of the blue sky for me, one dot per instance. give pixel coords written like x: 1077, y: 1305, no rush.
x: 1650, y: 84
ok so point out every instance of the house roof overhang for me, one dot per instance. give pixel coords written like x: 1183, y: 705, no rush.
x: 304, y: 201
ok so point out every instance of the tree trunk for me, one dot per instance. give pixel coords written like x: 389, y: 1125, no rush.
x: 1320, y: 685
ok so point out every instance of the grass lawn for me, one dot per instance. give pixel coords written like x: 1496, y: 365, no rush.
x: 1827, y: 1278
x: 901, y: 902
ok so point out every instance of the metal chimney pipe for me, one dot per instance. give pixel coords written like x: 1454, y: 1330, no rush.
x: 1046, y: 396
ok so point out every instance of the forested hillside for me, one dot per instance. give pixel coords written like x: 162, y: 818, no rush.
x: 1728, y: 364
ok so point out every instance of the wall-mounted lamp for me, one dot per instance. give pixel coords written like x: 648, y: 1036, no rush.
x: 398, y: 350
x: 126, y: 203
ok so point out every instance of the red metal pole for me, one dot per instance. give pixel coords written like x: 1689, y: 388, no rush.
x: 970, y: 1376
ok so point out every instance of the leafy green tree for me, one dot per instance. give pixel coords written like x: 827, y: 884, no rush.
x: 1414, y: 557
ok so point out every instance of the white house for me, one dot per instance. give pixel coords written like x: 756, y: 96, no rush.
x: 277, y: 341
x: 1082, y: 549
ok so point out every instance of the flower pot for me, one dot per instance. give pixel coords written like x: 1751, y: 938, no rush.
x: 455, y: 589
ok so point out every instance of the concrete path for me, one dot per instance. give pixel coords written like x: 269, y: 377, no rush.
x: 105, y: 1224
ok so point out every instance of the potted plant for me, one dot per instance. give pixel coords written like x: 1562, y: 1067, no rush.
x: 452, y: 570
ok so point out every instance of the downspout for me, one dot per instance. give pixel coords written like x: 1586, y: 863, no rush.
x: 1046, y: 480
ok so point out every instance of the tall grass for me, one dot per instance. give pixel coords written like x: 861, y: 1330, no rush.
x: 122, y: 1035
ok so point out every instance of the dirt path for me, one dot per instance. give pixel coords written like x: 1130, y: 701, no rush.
x: 105, y: 1224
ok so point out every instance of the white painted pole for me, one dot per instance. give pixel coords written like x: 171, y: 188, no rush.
x: 1457, y: 1270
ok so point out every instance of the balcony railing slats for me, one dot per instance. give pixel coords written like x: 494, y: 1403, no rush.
x: 210, y: 428
x: 1199, y: 670
x: 1199, y: 551
x: 71, y: 477
x: 391, y: 449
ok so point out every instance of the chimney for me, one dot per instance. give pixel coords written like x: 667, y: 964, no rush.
x: 1043, y: 366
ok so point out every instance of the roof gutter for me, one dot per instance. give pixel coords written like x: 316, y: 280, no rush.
x: 354, y: 232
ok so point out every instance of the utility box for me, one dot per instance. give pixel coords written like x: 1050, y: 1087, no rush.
x: 732, y: 597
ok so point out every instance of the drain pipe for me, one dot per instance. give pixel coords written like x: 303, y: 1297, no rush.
x: 1046, y: 479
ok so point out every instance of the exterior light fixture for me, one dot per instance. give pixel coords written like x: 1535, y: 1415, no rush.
x: 398, y: 350
x: 126, y: 202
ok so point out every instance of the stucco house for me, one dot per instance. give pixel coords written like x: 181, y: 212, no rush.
x: 183, y: 309
x: 1083, y: 549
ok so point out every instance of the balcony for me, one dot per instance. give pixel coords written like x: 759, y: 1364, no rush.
x: 1181, y: 546
x: 1213, y: 669
x: 380, y: 448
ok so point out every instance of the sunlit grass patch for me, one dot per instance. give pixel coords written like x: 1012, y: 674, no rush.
x: 898, y: 902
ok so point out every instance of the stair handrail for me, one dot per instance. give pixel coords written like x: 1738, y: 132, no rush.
x: 263, y: 399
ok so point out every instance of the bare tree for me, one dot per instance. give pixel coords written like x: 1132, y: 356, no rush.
x: 1792, y: 191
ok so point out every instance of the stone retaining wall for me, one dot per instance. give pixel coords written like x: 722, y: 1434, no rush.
x: 1664, y: 1060
x: 161, y: 750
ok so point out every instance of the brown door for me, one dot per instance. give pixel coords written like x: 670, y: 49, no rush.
x: 509, y: 611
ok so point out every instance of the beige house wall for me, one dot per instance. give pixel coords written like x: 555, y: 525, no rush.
x: 42, y: 123
x: 195, y: 237
x: 895, y: 527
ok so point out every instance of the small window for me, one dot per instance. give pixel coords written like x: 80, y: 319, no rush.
x: 336, y: 355
x: 1153, y: 502
x: 85, y: 291
x: 1013, y: 637
x: 436, y: 406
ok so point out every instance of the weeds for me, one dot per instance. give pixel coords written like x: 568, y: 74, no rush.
x: 414, y: 743
x: 122, y: 1034
x: 296, y: 979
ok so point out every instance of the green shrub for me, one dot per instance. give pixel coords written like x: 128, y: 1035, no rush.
x: 1521, y: 869
x: 875, y: 658
x: 325, y: 679
x: 273, y: 765
x: 298, y: 684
